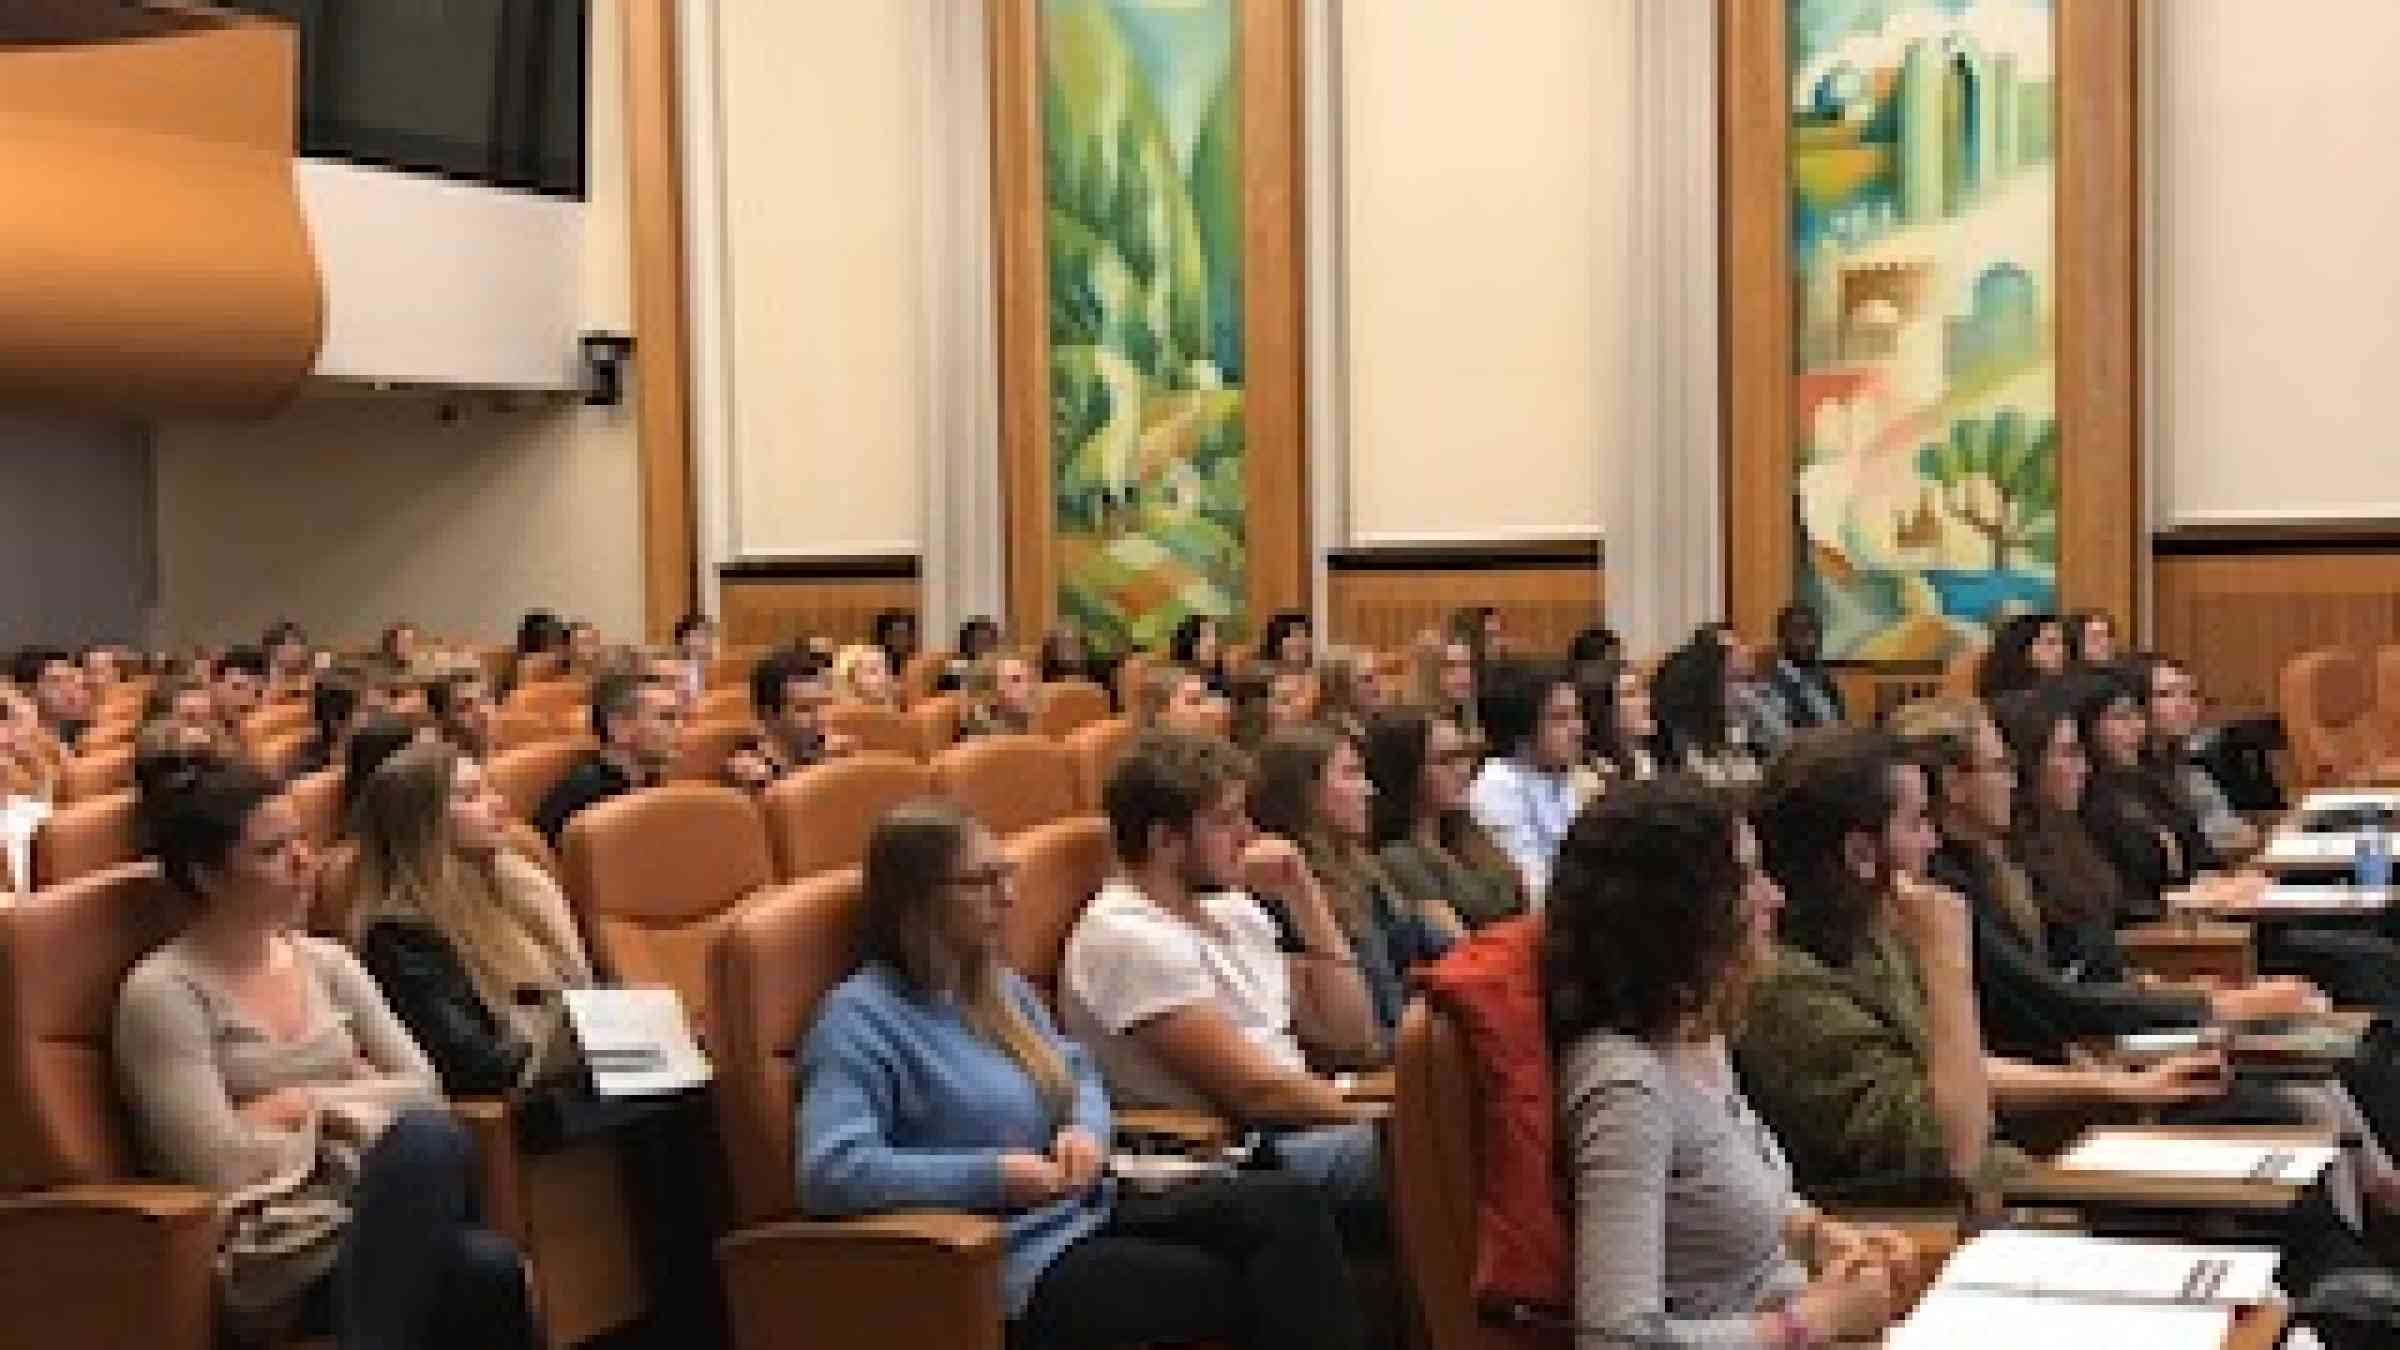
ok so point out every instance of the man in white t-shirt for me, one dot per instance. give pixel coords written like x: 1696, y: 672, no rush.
x: 1189, y: 994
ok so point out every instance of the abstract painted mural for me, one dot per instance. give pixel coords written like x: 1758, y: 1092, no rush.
x: 1142, y: 185
x: 1924, y: 285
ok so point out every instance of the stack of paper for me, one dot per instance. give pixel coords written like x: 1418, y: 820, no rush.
x: 636, y: 1042
x: 1957, y: 1319
x: 2164, y: 1155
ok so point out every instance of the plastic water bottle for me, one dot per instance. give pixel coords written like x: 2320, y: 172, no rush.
x: 2371, y: 865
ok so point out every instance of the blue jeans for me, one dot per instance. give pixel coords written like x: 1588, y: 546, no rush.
x: 416, y: 1270
x: 1345, y: 1164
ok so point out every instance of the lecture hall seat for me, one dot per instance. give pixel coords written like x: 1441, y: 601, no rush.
x: 875, y: 728
x: 2328, y: 710
x: 1060, y: 866
x: 1010, y: 783
x: 926, y: 1278
x: 524, y: 776
x: 936, y: 718
x: 1064, y: 705
x: 652, y: 876
x: 97, y: 771
x: 1096, y: 747
x: 85, y: 837
x: 819, y: 818
x: 701, y: 752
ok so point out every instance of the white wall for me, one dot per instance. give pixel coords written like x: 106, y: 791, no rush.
x: 1487, y: 162
x: 2277, y: 280
x: 344, y: 512
x: 75, y: 558
x: 817, y: 216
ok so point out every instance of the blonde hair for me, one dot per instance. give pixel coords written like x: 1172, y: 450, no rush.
x: 982, y: 689
x: 912, y: 858
x: 1346, y: 678
x: 411, y: 868
x: 846, y: 663
x: 1156, y: 692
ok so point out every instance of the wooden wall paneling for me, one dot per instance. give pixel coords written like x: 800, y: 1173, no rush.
x: 662, y: 358
x: 761, y: 612
x: 1384, y: 609
x: 1024, y: 299
x: 1274, y: 411
x: 2238, y: 617
x: 1761, y: 522
x: 2099, y: 306
x: 2098, y: 358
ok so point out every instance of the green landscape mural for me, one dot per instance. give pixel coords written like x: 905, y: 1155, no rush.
x: 1142, y: 181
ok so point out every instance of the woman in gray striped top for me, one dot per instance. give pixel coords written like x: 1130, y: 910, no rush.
x: 1687, y: 1229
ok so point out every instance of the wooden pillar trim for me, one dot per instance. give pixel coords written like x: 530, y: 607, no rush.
x: 662, y: 339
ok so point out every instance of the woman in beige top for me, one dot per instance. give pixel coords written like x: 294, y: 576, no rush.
x: 264, y: 1066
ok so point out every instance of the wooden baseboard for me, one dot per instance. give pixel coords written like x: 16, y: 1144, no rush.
x: 2239, y: 602
x: 1382, y: 597
x: 766, y: 603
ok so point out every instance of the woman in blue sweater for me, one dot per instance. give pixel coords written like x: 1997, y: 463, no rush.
x: 934, y: 1080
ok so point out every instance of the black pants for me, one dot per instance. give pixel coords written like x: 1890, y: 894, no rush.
x: 417, y: 1271
x: 1251, y: 1260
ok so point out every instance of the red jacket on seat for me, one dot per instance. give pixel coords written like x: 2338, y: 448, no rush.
x: 1491, y: 985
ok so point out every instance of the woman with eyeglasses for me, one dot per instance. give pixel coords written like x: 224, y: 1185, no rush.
x: 1427, y: 841
x: 933, y: 1079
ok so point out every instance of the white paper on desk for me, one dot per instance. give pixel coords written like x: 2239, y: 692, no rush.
x: 1959, y: 1319
x: 2166, y: 1155
x: 2353, y: 800
x: 636, y: 1042
x: 2315, y: 897
x: 2076, y: 1266
x: 2312, y: 848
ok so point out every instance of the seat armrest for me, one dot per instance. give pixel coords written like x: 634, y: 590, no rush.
x: 503, y: 1191
x: 1191, y: 1131
x: 866, y: 1284
x: 112, y: 1264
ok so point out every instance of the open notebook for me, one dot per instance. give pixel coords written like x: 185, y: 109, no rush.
x: 2015, y: 1287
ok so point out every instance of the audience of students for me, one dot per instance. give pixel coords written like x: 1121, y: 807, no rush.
x: 1903, y: 958
x: 1687, y: 1229
x: 1524, y: 796
x: 932, y: 1078
x: 265, y: 1066
x: 1428, y: 842
x: 638, y: 723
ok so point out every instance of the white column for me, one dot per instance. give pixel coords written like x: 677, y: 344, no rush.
x: 962, y: 570
x: 1328, y: 368
x: 1665, y: 531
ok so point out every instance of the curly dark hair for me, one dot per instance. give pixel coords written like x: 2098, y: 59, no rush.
x: 1644, y: 913
x: 1687, y: 697
x: 2008, y: 666
x: 1827, y: 785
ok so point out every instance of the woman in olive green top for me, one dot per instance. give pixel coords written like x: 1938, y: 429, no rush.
x: 1429, y: 845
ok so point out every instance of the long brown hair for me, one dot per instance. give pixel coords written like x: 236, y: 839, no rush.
x: 412, y: 867
x: 911, y: 926
x: 1283, y: 800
